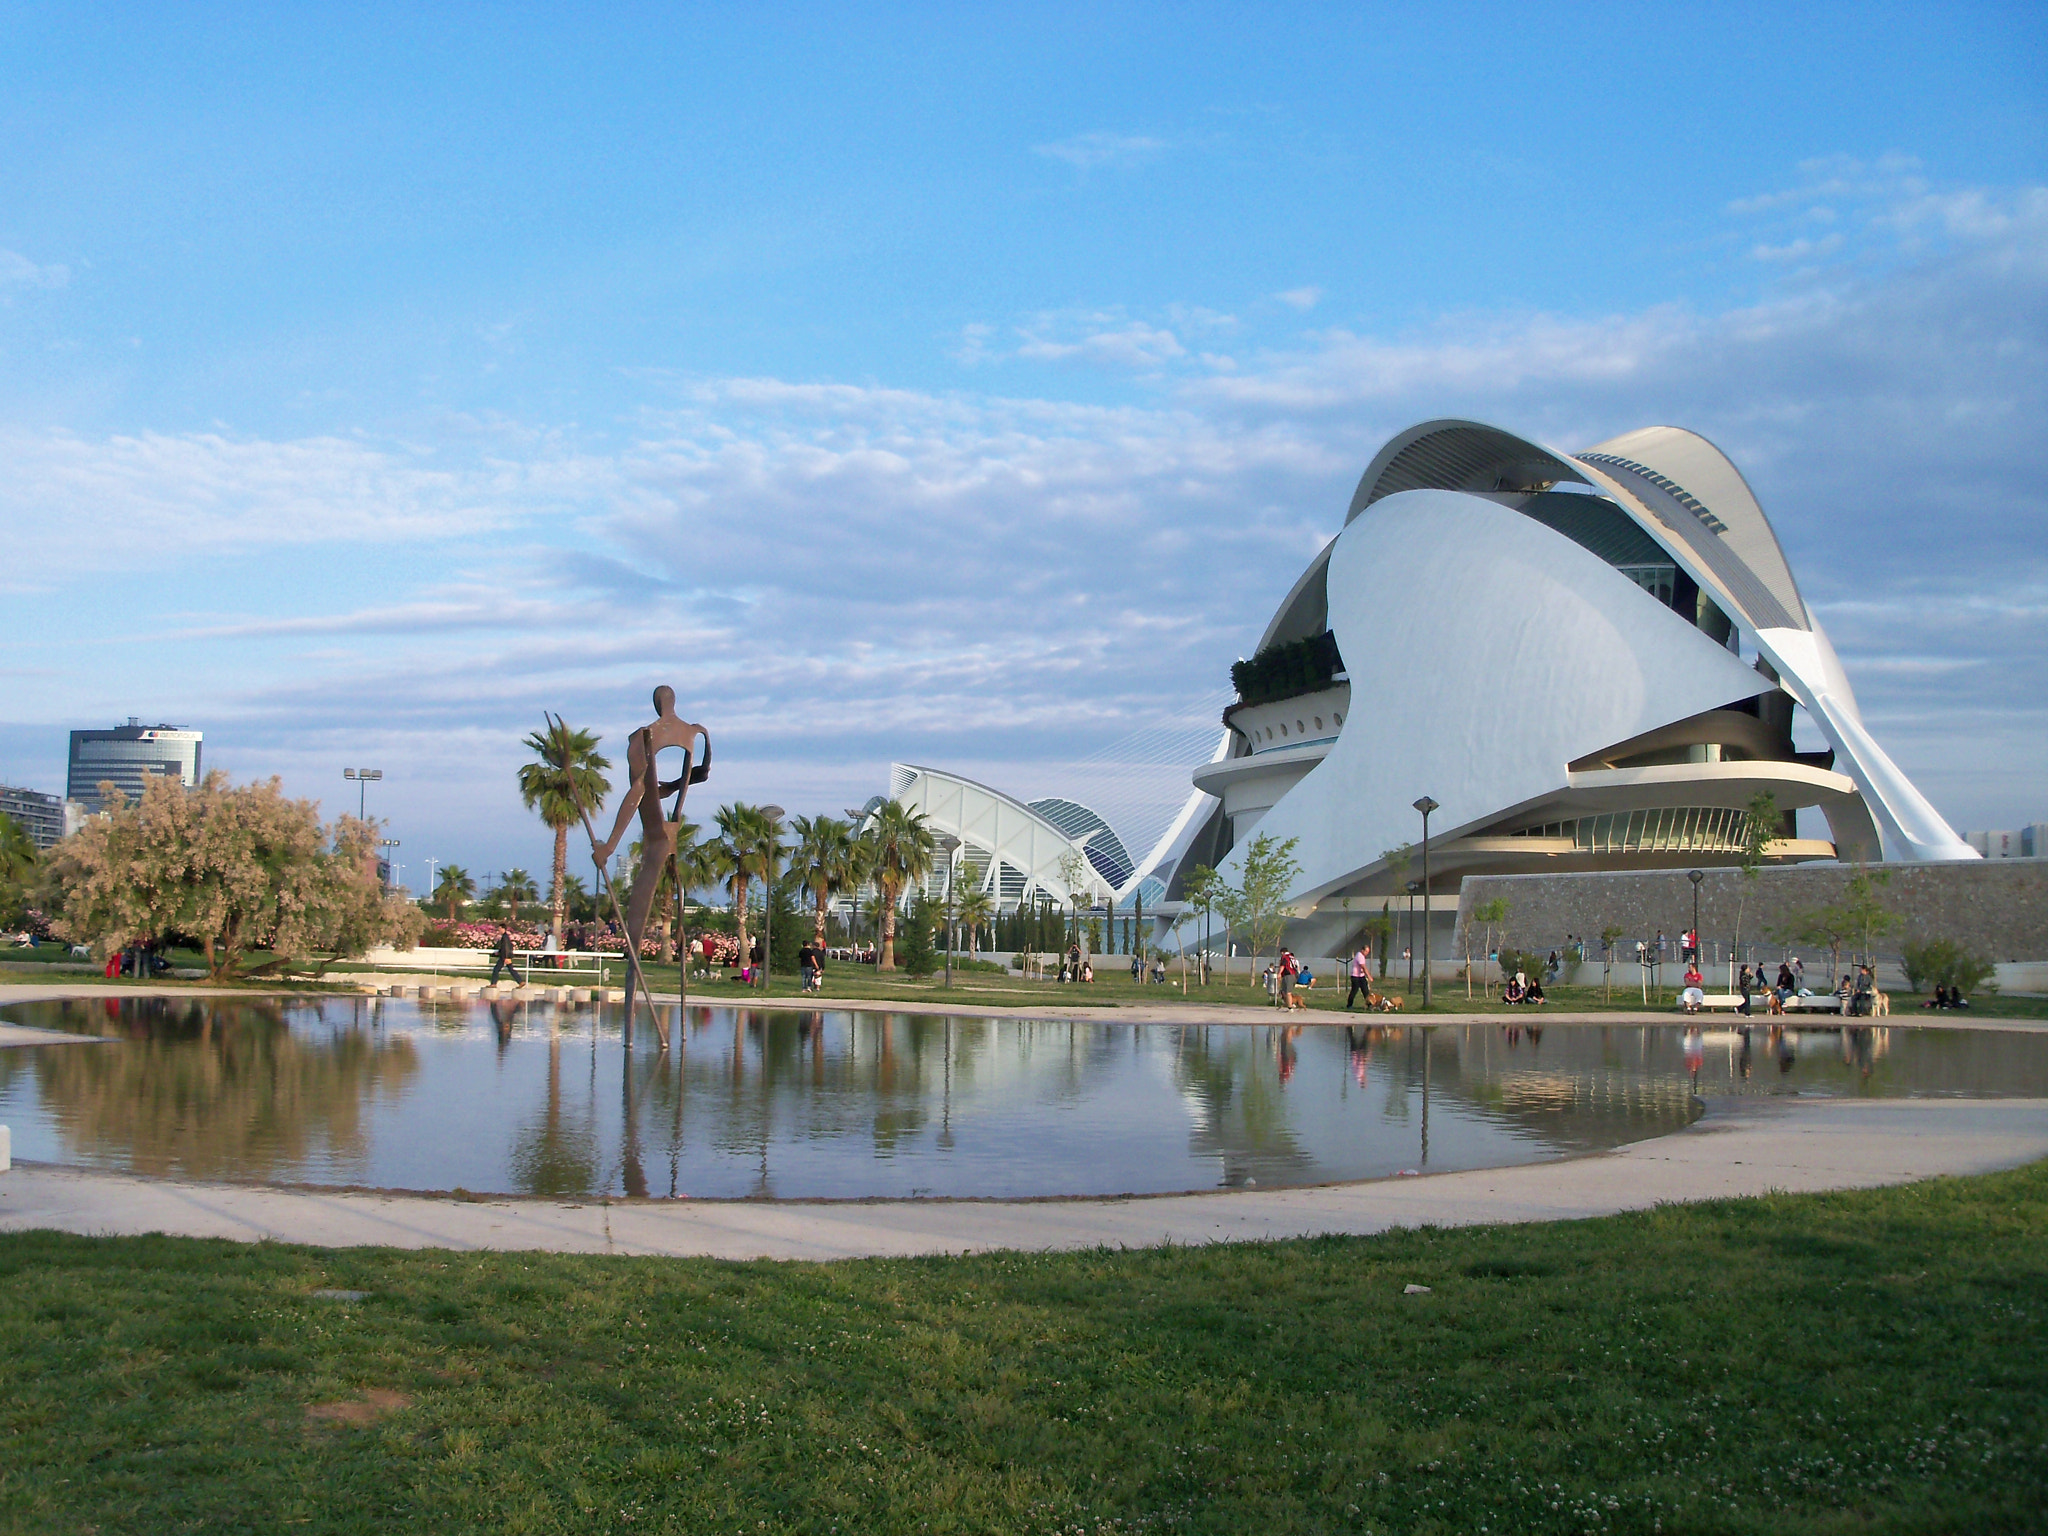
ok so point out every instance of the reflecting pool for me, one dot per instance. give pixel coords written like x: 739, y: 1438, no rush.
x: 531, y: 1098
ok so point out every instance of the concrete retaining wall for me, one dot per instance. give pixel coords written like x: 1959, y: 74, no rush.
x: 1997, y: 908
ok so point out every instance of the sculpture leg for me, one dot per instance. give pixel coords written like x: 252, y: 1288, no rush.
x: 638, y: 904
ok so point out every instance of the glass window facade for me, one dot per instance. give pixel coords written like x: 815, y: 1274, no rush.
x: 126, y: 757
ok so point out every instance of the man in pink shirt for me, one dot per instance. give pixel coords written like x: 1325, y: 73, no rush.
x: 1361, y: 976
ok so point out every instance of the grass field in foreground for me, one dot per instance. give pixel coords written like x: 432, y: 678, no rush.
x: 1863, y: 1362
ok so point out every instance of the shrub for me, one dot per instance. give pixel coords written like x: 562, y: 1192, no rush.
x: 1944, y: 963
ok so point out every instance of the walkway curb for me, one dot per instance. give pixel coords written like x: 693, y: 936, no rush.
x: 1740, y: 1147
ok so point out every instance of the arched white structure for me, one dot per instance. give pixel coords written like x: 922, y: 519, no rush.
x: 1011, y: 849
x: 1569, y: 632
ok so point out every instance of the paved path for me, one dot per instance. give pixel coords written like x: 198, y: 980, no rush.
x: 1741, y: 1147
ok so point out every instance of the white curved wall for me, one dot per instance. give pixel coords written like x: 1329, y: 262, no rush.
x: 1534, y: 651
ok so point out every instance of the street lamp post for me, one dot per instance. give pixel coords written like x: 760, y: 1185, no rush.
x: 1425, y: 805
x: 361, y: 777
x: 1413, y: 887
x: 950, y: 845
x: 390, y: 880
x: 1695, y: 876
x: 772, y: 816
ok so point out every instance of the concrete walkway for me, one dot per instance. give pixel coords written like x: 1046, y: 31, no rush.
x: 1741, y: 1147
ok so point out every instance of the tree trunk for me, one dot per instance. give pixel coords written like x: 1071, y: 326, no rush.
x: 739, y: 908
x: 559, y: 897
x: 886, y: 960
x: 818, y: 933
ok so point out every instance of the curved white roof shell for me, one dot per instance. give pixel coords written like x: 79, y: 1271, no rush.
x: 1544, y: 644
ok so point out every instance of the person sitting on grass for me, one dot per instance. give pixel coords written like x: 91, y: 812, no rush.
x: 1087, y: 971
x: 1535, y: 993
x: 1516, y: 989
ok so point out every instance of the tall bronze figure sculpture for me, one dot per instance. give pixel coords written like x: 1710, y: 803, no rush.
x: 645, y: 790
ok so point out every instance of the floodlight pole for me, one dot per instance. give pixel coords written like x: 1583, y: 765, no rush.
x: 1425, y: 805
x: 361, y: 778
x: 770, y: 814
x: 951, y: 845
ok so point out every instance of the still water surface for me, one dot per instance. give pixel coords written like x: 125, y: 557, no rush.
x: 521, y: 1098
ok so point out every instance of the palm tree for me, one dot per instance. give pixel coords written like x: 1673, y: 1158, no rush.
x: 748, y: 846
x: 860, y: 868
x: 819, y: 862
x: 454, y: 888
x: 576, y: 899
x: 977, y: 909
x: 567, y: 780
x: 903, y: 854
x: 515, y: 886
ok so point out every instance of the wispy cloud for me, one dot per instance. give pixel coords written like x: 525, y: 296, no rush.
x: 1300, y: 298
x: 850, y: 572
x: 17, y: 271
x: 1087, y: 151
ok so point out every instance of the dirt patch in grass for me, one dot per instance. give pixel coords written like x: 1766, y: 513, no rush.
x: 358, y: 1412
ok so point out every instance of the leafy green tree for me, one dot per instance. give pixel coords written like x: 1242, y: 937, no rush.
x: 235, y: 868
x: 1608, y: 936
x: 1759, y: 828
x: 565, y: 780
x: 455, y: 889
x: 1269, y: 874
x: 19, y: 863
x: 1200, y: 892
x: 1944, y: 963
x: 1488, y: 914
x: 1861, y: 914
x: 903, y: 847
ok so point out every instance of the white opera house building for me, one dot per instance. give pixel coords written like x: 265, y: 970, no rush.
x: 1589, y: 661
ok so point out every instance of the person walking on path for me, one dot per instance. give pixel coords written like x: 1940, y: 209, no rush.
x: 501, y: 960
x: 1361, y: 976
x: 1289, y: 969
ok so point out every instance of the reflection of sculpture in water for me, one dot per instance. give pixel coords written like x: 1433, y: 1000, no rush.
x: 644, y: 791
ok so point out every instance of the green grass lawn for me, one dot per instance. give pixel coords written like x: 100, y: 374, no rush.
x: 1863, y: 1362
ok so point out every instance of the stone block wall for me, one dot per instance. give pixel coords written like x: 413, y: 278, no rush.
x: 1997, y: 908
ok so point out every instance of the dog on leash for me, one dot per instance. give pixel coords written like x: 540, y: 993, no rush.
x: 1880, y: 1005
x: 1379, y: 1002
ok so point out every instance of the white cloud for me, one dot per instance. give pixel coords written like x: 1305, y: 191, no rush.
x: 1086, y: 151
x: 17, y: 271
x: 1300, y: 298
x: 1132, y: 344
x: 847, y: 572
x: 64, y: 491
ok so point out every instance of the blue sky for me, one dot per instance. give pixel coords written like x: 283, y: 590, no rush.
x: 912, y: 385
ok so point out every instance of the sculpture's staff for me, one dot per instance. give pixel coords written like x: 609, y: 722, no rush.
x: 632, y: 941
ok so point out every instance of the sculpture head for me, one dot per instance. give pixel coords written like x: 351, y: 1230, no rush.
x: 664, y: 700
